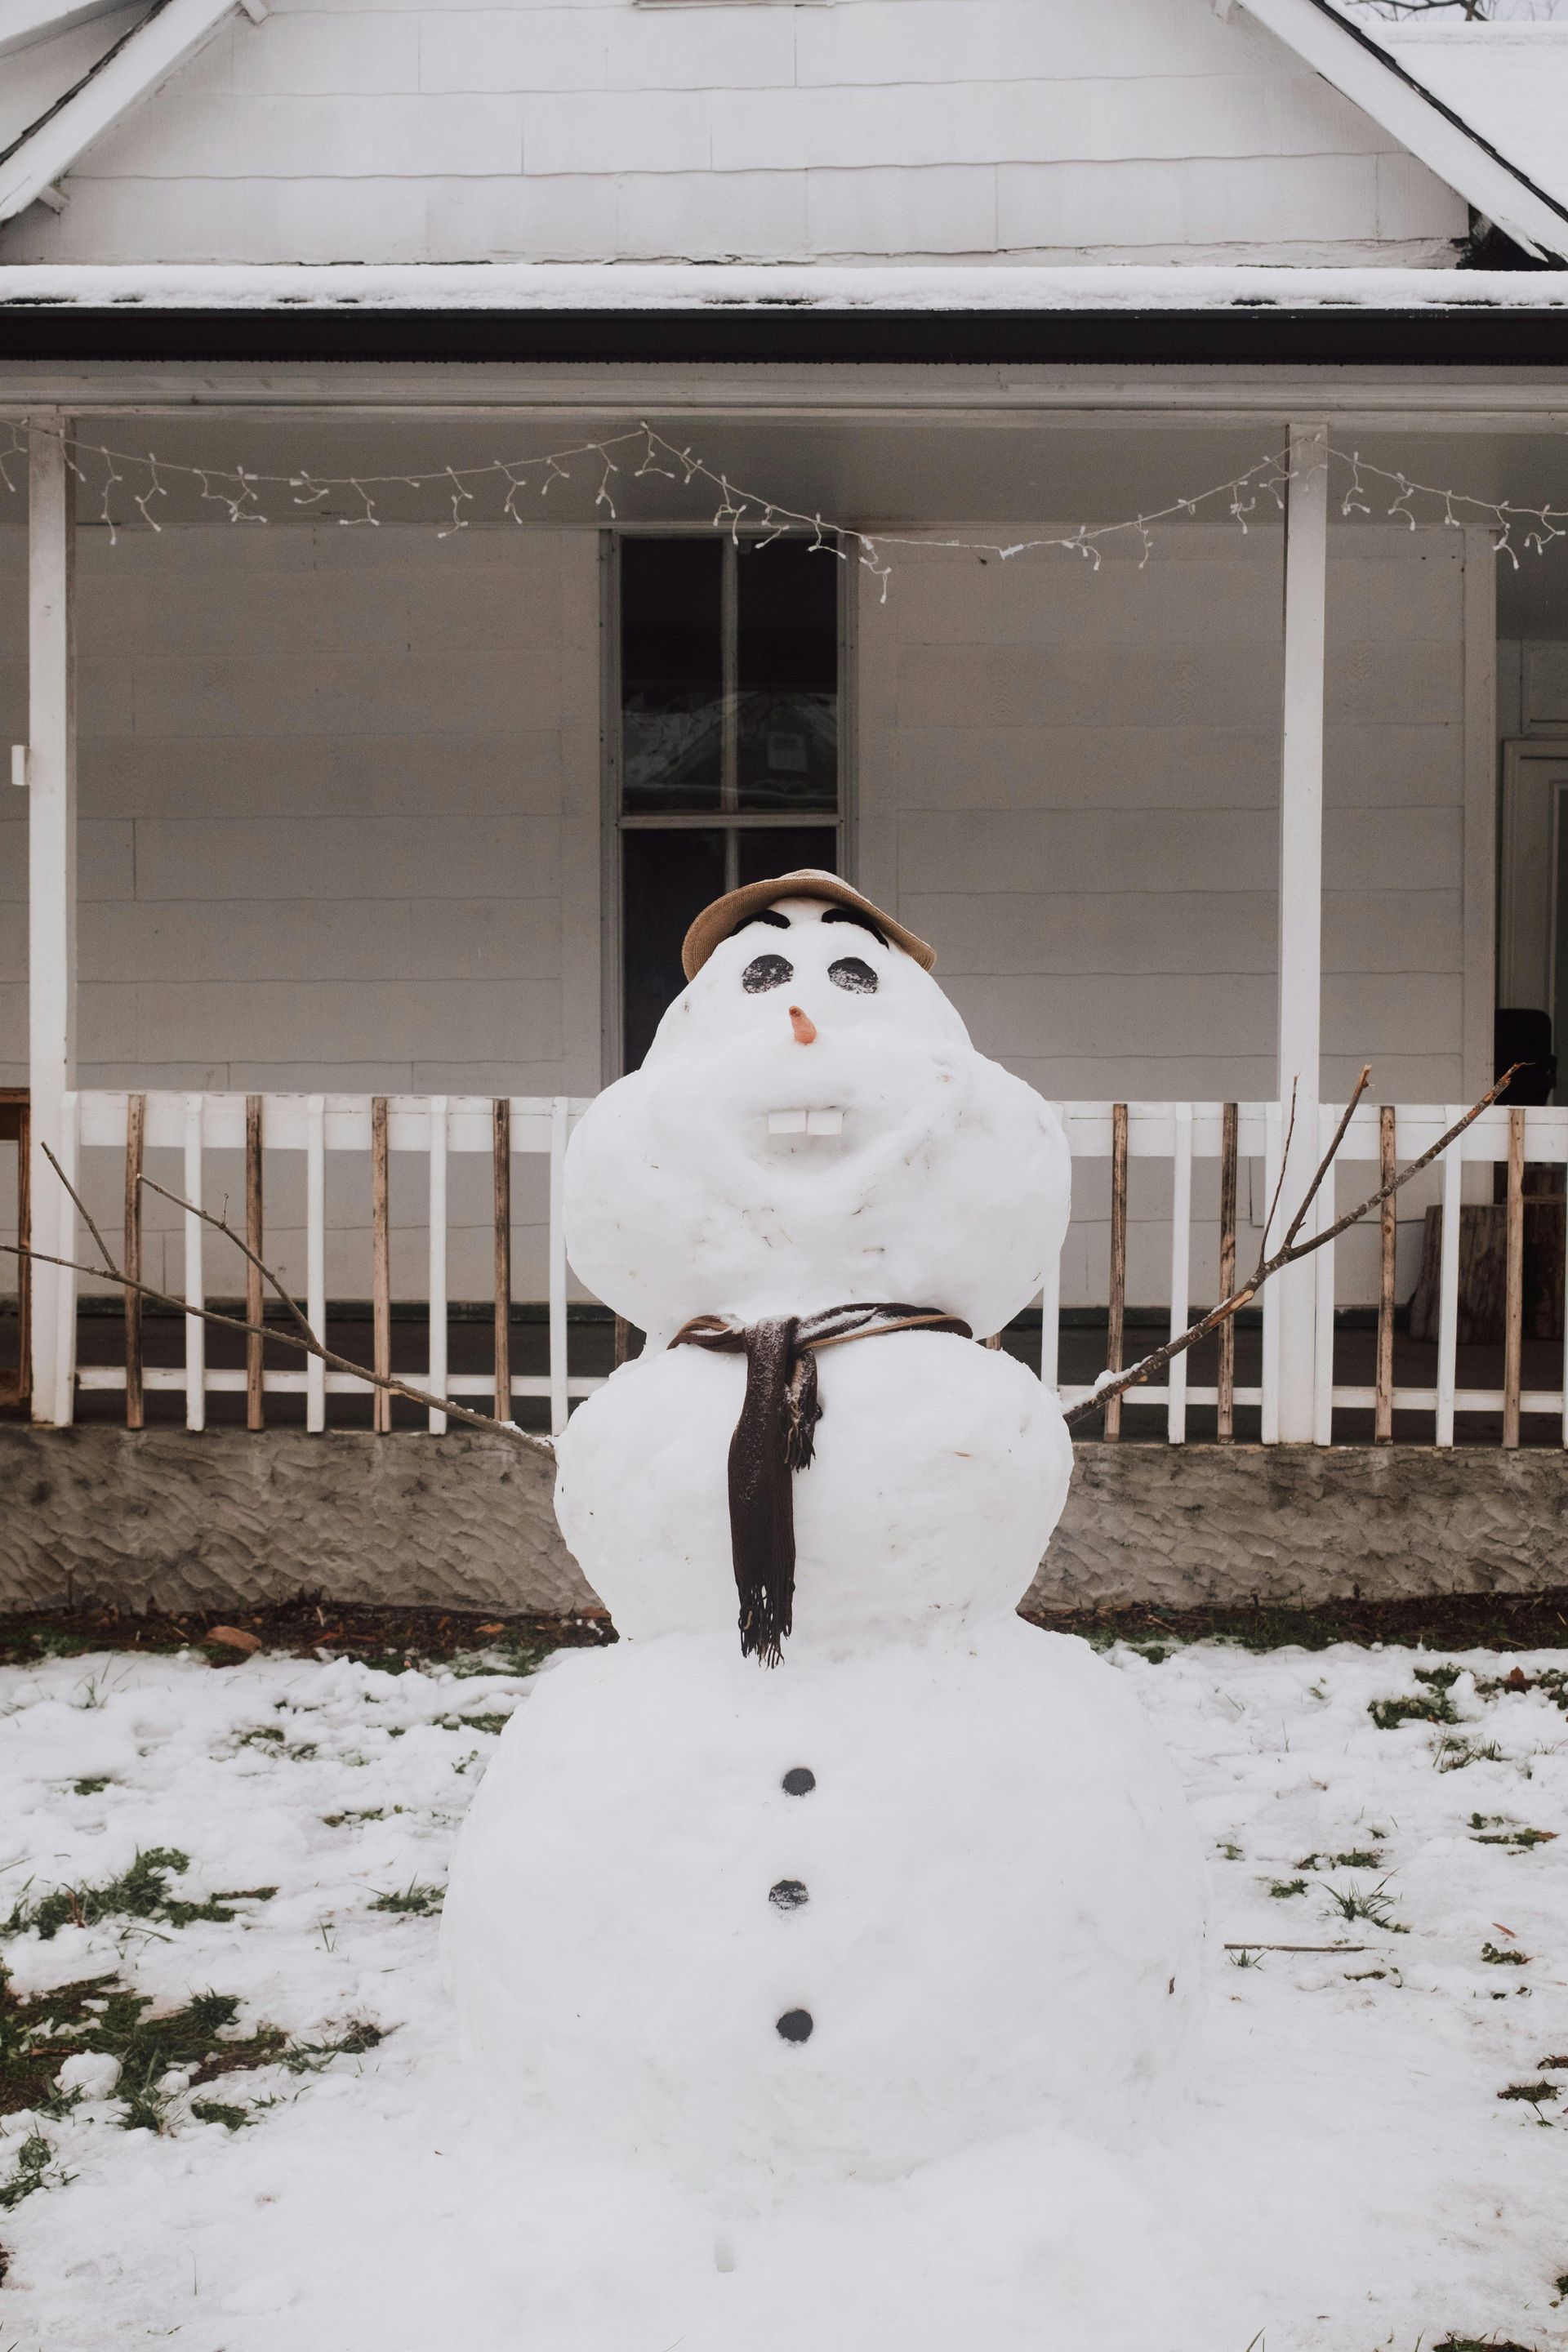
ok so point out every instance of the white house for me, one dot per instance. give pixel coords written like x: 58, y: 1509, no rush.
x: 388, y: 690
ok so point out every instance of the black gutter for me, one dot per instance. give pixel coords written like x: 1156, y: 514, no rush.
x: 1479, y: 334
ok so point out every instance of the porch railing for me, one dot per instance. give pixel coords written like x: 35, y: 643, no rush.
x: 1165, y: 1150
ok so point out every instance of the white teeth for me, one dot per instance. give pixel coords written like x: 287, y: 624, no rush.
x: 805, y: 1122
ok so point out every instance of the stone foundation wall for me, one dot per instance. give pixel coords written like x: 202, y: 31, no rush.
x: 162, y: 1519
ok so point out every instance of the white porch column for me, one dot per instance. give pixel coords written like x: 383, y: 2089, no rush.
x: 1301, y: 895
x: 51, y: 864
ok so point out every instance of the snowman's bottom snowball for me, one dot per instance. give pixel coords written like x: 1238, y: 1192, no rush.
x: 1001, y: 1924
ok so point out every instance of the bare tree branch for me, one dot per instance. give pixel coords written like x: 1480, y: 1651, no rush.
x: 305, y: 1340
x: 1290, y: 1252
x: 1284, y: 1164
x: 220, y: 1225
x: 1329, y: 1156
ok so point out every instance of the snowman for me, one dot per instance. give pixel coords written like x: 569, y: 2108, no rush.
x: 832, y: 1866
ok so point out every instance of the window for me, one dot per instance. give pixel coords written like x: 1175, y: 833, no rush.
x: 730, y: 762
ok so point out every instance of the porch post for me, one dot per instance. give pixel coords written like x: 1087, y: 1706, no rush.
x: 1301, y: 894
x: 51, y: 870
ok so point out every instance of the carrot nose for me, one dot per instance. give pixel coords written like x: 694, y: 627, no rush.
x: 804, y: 1026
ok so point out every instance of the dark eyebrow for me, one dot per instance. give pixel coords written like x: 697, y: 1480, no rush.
x: 767, y: 915
x: 853, y: 915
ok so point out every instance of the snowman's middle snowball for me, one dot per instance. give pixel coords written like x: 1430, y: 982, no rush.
x: 940, y: 1469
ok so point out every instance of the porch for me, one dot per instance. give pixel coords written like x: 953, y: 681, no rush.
x: 388, y: 819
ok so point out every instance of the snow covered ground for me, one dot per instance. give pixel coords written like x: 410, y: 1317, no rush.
x: 1358, y: 2175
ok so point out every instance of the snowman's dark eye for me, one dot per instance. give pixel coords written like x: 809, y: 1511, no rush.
x: 767, y: 972
x: 851, y: 973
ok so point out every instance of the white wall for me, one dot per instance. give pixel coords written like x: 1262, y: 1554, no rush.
x: 340, y: 800
x: 336, y: 790
x: 615, y: 129
x: 1069, y: 784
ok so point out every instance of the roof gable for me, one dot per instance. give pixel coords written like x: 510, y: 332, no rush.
x: 1391, y: 78
x: 1017, y: 131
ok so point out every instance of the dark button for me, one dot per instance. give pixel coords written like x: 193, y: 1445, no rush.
x: 799, y: 1780
x: 788, y: 1895
x: 794, y: 2025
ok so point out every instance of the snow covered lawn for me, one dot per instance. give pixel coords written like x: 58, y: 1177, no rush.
x: 280, y: 2148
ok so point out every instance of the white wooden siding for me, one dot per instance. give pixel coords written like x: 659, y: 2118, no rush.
x: 1069, y: 783
x: 337, y: 789
x: 340, y: 830
x: 875, y: 129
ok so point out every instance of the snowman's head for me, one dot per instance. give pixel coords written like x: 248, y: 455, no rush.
x: 811, y: 1126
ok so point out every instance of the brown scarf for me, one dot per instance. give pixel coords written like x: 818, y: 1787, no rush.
x: 775, y: 1437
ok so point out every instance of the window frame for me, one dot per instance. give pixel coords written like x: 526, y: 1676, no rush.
x: 731, y: 820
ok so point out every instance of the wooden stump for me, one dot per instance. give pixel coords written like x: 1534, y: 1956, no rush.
x: 1483, y: 1273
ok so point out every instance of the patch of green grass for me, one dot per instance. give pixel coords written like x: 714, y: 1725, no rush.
x: 215, y: 2111
x: 1247, y: 1956
x: 1520, y: 1840
x: 1421, y: 1706
x: 142, y: 1892
x: 1438, y: 1678
x: 37, y: 2033
x: 511, y: 1653
x: 1534, y: 2092
x: 1229, y: 1849
x: 1481, y: 2344
x: 1359, y: 1857
x: 1371, y: 1904
x: 1281, y: 1888
x: 364, y: 1813
x: 1552, y: 1682
x: 1495, y: 1959
x: 100, y: 2014
x: 493, y: 1723
x: 30, y: 2172
x: 91, y: 1788
x: 414, y: 1899
x: 1454, y: 1755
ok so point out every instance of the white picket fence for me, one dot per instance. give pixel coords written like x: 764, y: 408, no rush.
x: 1179, y: 1134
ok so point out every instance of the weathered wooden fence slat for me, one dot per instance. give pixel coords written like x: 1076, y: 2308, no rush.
x: 254, y: 1237
x: 435, y: 1280
x: 1181, y: 1269
x: 501, y: 1163
x: 1224, y: 1395
x: 135, y: 1145
x: 196, y: 1290
x: 1514, y: 1295
x: 1387, y: 1238
x: 1117, y: 1313
x: 1449, y: 1292
x: 381, y: 1265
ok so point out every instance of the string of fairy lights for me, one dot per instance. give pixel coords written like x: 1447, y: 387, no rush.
x: 127, y: 484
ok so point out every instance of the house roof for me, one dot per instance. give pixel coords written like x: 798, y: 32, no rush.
x: 1457, y: 102
x: 573, y: 314
x: 1480, y: 105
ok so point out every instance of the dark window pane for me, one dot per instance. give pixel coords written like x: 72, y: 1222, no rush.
x: 781, y: 849
x: 672, y: 673
x: 787, y: 675
x: 666, y: 879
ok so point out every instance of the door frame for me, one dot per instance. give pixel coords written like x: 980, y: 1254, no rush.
x: 1534, y: 778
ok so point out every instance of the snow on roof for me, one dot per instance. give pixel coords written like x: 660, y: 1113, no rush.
x: 631, y: 285
x: 1509, y: 82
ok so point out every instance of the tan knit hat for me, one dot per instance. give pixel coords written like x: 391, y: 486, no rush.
x: 727, y: 914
